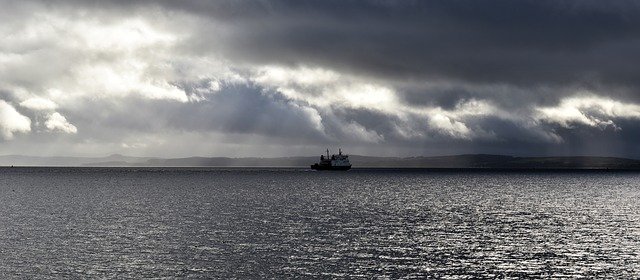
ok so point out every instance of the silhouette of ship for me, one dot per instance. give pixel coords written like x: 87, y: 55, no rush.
x: 335, y: 162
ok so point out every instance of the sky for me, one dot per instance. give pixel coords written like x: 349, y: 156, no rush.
x: 287, y: 78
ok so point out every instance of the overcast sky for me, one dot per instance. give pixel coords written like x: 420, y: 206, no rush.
x: 274, y: 78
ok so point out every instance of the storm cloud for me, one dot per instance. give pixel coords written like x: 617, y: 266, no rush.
x: 270, y: 78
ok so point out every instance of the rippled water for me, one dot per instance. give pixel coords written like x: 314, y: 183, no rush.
x: 246, y: 223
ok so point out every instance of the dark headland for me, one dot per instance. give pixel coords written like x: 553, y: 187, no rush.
x: 474, y: 161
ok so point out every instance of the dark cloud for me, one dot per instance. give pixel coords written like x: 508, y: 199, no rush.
x: 519, y: 42
x: 515, y: 42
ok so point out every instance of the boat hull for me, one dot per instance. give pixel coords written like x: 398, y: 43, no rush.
x: 329, y: 167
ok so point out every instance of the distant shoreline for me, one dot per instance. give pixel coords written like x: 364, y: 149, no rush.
x: 463, y: 162
x: 356, y: 169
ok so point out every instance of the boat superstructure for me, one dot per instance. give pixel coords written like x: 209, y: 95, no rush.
x: 333, y: 162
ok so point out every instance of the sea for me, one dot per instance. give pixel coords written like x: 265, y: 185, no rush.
x: 248, y: 223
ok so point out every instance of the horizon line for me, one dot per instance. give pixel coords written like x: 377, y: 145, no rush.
x: 300, y: 156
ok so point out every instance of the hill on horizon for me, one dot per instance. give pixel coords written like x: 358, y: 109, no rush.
x: 455, y: 161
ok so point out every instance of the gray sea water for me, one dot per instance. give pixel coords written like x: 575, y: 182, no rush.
x: 288, y: 223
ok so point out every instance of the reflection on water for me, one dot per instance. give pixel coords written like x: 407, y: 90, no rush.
x: 128, y: 222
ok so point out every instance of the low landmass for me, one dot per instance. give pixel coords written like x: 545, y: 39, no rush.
x: 457, y: 161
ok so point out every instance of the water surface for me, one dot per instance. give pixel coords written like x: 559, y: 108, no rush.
x: 280, y: 223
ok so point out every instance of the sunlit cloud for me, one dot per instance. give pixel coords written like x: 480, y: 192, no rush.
x: 39, y: 104
x: 11, y: 121
x: 590, y: 110
x: 129, y: 35
x: 325, y: 88
x: 57, y: 122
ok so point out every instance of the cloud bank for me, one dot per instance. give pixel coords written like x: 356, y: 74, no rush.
x: 271, y: 78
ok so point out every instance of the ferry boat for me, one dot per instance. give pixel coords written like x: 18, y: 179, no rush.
x: 335, y: 162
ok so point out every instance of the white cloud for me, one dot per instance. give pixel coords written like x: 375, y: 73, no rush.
x: 449, y: 127
x: 452, y: 122
x: 325, y: 88
x: 89, y: 57
x: 130, y: 35
x: 366, y: 95
x: 590, y: 110
x: 312, y: 115
x: 11, y: 121
x: 39, y: 104
x: 57, y: 122
x: 125, y: 78
x: 276, y: 76
x: 358, y: 132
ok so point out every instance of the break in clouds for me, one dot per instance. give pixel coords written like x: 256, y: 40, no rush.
x: 270, y: 78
